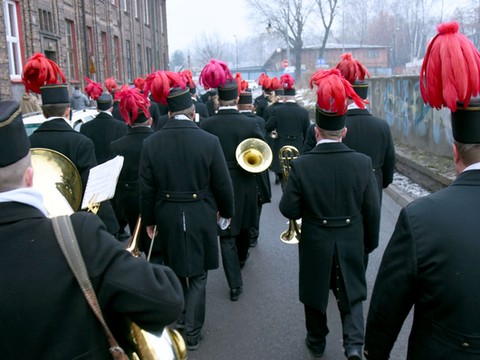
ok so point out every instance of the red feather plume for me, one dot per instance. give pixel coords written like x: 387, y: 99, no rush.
x: 215, y: 74
x: 188, y: 78
x: 333, y: 91
x: 275, y: 84
x: 139, y: 83
x: 287, y: 81
x: 132, y: 101
x: 111, y: 84
x: 450, y: 70
x: 241, y: 84
x: 93, y: 89
x: 159, y: 84
x: 40, y: 71
x: 352, y: 69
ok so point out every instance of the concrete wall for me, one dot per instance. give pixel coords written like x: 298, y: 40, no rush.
x: 397, y: 99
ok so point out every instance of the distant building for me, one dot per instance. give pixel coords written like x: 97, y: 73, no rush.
x: 373, y: 57
x: 94, y: 38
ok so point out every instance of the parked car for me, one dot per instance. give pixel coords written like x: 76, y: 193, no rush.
x: 32, y: 121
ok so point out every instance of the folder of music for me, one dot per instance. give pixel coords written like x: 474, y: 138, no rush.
x: 102, y: 182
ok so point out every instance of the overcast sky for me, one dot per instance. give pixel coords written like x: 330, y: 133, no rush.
x: 188, y: 19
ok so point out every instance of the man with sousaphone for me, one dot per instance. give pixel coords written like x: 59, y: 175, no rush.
x: 44, y: 313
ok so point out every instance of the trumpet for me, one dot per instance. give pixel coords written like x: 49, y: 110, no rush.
x: 286, y: 154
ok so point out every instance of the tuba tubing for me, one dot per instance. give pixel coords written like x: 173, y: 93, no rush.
x: 286, y: 154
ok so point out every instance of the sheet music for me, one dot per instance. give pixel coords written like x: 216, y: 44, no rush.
x: 102, y: 181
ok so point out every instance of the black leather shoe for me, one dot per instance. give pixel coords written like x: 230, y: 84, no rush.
x: 194, y: 344
x: 354, y: 354
x: 235, y: 293
x: 316, y: 352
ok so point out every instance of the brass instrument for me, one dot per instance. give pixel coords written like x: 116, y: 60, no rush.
x: 254, y: 155
x: 59, y: 181
x: 170, y: 345
x: 286, y: 154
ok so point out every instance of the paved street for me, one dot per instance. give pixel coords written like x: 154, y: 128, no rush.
x: 268, y: 322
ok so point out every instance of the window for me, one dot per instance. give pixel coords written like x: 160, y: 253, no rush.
x: 139, y: 60
x: 149, y: 60
x: 125, y: 5
x: 118, y: 55
x: 372, y: 54
x: 135, y: 8
x: 13, y: 39
x: 90, y: 40
x: 129, y: 61
x: 72, y: 69
x: 46, y: 21
x: 106, y: 55
x: 161, y: 19
x: 147, y: 13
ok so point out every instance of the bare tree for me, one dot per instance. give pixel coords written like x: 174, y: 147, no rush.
x: 287, y: 18
x: 328, y: 11
x: 207, y: 48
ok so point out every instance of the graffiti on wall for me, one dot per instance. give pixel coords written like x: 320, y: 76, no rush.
x: 398, y: 100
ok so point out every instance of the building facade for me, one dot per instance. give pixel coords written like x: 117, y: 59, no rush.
x: 86, y: 38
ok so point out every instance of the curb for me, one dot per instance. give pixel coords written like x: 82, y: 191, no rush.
x: 399, y: 196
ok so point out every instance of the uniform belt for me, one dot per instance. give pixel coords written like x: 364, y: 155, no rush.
x: 184, y: 196
x: 340, y: 221
x: 451, y: 338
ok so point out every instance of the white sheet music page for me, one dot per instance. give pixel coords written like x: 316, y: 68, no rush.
x: 102, y: 181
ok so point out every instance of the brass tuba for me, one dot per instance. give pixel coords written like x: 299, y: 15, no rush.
x: 286, y: 154
x: 59, y: 181
x: 254, y: 155
x: 170, y: 345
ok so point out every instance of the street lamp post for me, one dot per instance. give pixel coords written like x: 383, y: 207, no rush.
x: 236, y: 52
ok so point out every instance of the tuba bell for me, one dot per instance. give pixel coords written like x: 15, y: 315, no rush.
x: 253, y: 155
x: 58, y: 179
x: 147, y: 346
x: 286, y: 154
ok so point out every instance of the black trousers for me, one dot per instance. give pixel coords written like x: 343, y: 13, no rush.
x: 351, y: 315
x: 195, y: 294
x: 231, y: 264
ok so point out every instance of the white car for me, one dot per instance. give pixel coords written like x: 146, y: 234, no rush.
x: 32, y: 121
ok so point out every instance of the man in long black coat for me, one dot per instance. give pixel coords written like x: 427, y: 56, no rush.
x: 431, y: 261
x: 40, y: 298
x: 127, y: 193
x: 232, y: 128
x: 333, y: 190
x: 264, y: 191
x: 291, y: 122
x: 103, y: 129
x: 58, y: 135
x: 184, y: 186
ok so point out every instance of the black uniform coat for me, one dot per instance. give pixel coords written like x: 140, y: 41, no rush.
x: 43, y: 312
x: 291, y: 122
x: 371, y: 136
x: 102, y: 131
x: 260, y: 104
x: 184, y: 181
x: 57, y: 135
x: 332, y: 189
x: 431, y: 263
x: 232, y: 128
x: 127, y: 193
